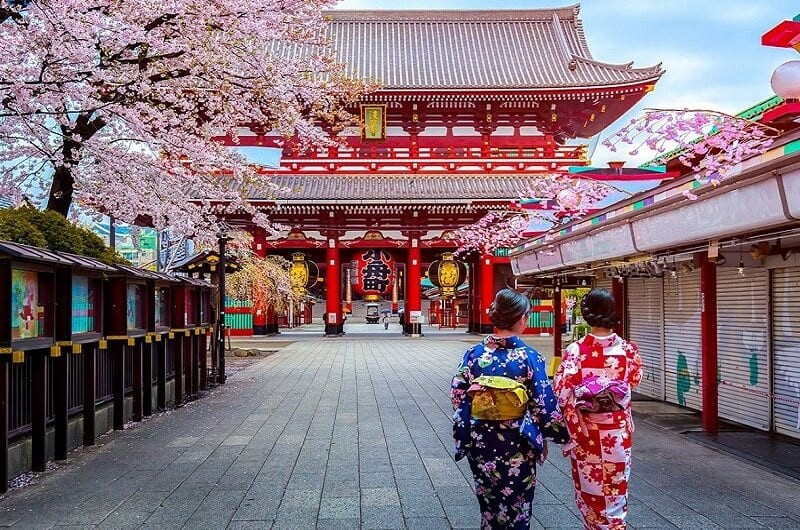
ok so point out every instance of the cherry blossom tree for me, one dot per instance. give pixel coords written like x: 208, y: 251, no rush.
x: 708, y: 142
x: 116, y: 105
x: 265, y: 281
x: 565, y: 197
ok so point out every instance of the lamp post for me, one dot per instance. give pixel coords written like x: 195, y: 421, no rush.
x: 222, y: 237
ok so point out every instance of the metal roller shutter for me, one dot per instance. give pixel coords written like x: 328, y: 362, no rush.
x: 743, y: 346
x: 786, y: 350
x: 682, y: 356
x: 605, y: 283
x: 646, y: 329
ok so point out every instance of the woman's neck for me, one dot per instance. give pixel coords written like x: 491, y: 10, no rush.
x: 504, y: 333
x: 601, y: 332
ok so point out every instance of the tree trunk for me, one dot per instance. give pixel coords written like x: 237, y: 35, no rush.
x: 62, y: 188
x: 61, y: 191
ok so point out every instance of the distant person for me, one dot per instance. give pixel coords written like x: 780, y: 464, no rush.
x: 504, y: 409
x: 593, y: 385
x: 385, y: 321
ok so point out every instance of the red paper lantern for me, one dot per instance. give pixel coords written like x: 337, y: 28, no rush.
x: 374, y: 274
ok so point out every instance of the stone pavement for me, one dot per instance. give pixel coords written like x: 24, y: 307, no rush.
x: 339, y: 433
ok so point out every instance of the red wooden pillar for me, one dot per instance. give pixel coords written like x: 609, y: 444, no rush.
x: 259, y: 311
x: 413, y: 288
x: 486, y: 286
x: 618, y: 288
x: 708, y: 331
x: 474, y: 297
x: 557, y: 346
x: 557, y: 321
x: 333, y: 298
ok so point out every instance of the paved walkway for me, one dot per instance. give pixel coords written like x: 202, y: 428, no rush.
x: 337, y: 433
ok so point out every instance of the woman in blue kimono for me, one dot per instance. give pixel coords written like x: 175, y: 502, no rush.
x: 504, y: 411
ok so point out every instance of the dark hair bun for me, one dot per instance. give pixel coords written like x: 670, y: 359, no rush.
x: 507, y: 308
x: 599, y: 309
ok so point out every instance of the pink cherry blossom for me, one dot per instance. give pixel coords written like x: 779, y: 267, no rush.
x: 708, y: 142
x: 118, y: 106
x: 565, y: 196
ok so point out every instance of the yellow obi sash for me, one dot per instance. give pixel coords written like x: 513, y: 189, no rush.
x: 496, y: 397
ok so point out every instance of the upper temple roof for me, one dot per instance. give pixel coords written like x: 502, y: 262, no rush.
x: 461, y: 50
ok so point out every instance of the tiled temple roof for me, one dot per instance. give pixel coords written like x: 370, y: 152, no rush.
x: 306, y: 188
x: 463, y: 50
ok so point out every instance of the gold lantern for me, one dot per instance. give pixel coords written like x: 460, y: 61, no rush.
x: 447, y: 274
x: 302, y: 274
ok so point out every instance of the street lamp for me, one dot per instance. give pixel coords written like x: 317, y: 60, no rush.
x: 222, y: 238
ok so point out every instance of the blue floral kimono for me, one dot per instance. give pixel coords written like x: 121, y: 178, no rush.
x: 503, y: 453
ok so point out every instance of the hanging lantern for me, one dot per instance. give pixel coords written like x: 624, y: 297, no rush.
x: 447, y: 274
x: 303, y: 274
x: 374, y: 274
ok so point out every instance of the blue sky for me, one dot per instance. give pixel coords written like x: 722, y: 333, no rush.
x: 710, y: 49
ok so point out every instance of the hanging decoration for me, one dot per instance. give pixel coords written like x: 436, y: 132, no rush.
x: 447, y: 274
x: 708, y: 142
x: 375, y: 270
x: 303, y: 274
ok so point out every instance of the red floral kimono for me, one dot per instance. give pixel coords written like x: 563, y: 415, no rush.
x: 600, y: 449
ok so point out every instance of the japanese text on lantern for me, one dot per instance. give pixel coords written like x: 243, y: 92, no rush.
x: 376, y: 274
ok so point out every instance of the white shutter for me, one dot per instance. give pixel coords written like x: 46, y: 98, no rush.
x: 786, y: 350
x: 646, y: 329
x: 682, y: 356
x: 743, y: 346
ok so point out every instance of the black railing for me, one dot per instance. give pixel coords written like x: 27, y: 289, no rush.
x: 104, y: 376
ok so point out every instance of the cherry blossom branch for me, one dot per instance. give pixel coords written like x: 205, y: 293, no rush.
x: 709, y: 142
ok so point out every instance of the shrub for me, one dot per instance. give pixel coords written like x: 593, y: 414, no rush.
x: 50, y: 230
x: 19, y: 230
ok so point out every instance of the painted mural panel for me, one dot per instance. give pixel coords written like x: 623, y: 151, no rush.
x: 84, y: 304
x: 162, y: 307
x: 136, y: 306
x: 27, y: 316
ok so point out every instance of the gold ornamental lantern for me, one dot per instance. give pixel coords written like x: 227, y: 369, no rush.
x: 302, y: 274
x: 447, y: 274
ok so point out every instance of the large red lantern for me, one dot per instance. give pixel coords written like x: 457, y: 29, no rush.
x: 374, y: 274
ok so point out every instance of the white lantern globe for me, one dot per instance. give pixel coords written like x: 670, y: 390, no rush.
x: 786, y: 80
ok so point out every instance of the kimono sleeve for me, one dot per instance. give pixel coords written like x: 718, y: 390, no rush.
x: 567, y: 375
x: 543, y: 406
x: 462, y: 403
x: 566, y: 378
x: 634, y: 364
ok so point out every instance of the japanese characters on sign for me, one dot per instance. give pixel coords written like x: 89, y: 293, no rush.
x: 375, y: 273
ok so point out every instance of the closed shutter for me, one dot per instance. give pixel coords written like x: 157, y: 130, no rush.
x: 646, y: 329
x: 605, y: 283
x: 682, y: 357
x: 743, y: 346
x: 786, y: 350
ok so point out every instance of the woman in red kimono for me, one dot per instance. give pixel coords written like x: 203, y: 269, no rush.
x: 593, y: 386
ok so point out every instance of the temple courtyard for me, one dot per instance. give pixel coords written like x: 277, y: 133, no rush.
x: 354, y: 432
